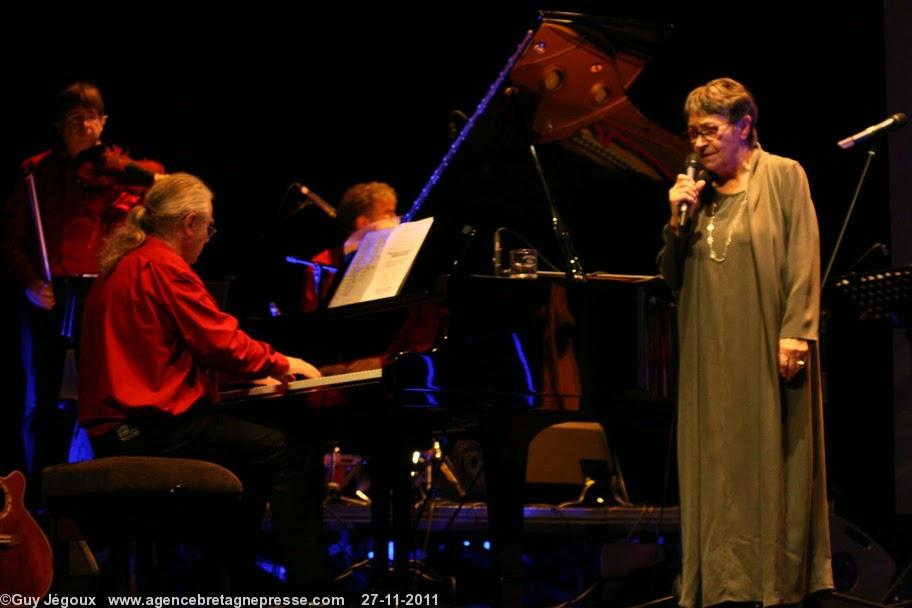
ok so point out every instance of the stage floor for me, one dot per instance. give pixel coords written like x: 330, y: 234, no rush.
x: 439, y: 516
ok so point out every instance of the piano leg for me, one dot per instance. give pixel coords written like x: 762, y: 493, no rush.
x: 391, y: 504
x: 505, y: 437
x: 402, y: 487
x: 505, y: 448
x: 380, y: 512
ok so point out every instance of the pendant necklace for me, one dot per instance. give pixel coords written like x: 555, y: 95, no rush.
x: 711, y: 226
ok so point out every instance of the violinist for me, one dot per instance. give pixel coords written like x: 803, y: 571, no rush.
x: 84, y: 187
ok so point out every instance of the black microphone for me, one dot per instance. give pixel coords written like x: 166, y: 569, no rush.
x: 496, y: 257
x: 692, y: 166
x: 316, y: 199
x: 891, y: 124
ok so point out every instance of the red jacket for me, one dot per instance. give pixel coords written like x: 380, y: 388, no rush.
x: 154, y: 340
x: 75, y: 214
x: 310, y: 298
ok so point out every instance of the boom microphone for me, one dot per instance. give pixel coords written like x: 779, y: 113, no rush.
x: 896, y: 121
x: 316, y: 199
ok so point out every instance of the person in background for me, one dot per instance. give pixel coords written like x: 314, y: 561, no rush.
x: 84, y: 187
x: 155, y: 347
x: 364, y: 208
x: 746, y: 266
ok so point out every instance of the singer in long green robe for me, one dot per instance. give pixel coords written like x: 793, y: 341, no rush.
x: 744, y: 258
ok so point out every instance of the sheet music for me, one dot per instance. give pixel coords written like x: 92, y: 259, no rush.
x: 382, y: 263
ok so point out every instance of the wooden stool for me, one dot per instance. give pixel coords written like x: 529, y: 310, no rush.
x: 132, y: 501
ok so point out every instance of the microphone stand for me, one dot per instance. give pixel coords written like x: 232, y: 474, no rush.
x: 832, y: 594
x: 296, y: 208
x: 824, y: 313
x: 572, y: 264
x: 872, y: 152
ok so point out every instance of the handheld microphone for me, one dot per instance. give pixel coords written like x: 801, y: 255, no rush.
x: 894, y: 122
x: 316, y: 199
x: 692, y: 167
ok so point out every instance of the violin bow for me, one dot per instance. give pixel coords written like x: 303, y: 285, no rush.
x: 39, y: 227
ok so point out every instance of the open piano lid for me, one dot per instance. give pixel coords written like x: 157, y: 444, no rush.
x: 580, y: 68
x: 606, y: 165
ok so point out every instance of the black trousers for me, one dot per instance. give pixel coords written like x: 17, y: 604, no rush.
x: 282, y: 467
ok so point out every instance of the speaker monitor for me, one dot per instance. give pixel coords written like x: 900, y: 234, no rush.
x: 564, y: 456
x: 556, y: 454
x: 861, y: 567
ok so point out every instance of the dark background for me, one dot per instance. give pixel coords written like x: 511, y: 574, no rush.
x: 254, y: 97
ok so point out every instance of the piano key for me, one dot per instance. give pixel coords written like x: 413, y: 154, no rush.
x: 276, y: 390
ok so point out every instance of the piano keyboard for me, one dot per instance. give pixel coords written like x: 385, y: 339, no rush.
x: 301, y: 385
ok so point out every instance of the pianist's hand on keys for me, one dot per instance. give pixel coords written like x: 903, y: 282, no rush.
x: 300, y: 367
x: 355, y: 365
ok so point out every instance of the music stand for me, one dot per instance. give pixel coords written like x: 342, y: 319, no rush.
x: 880, y: 294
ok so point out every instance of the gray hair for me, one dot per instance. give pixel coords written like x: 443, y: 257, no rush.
x: 171, y: 198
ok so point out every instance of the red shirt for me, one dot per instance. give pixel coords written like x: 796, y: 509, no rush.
x: 310, y: 299
x: 153, y: 341
x: 75, y: 216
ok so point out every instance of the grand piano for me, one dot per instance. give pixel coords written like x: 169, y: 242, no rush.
x: 555, y: 155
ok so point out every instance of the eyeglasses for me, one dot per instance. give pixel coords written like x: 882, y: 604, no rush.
x: 79, y: 118
x: 210, y: 229
x: 706, y: 131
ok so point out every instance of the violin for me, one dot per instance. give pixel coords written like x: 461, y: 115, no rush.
x: 109, y: 167
x: 26, y: 560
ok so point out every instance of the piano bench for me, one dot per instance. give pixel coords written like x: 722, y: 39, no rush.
x: 131, y: 504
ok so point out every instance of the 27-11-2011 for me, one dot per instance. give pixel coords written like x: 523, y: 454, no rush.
x: 399, y: 599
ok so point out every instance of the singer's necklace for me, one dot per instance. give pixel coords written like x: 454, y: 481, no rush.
x: 711, y: 226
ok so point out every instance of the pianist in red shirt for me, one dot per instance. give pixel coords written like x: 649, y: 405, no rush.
x: 154, y: 345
